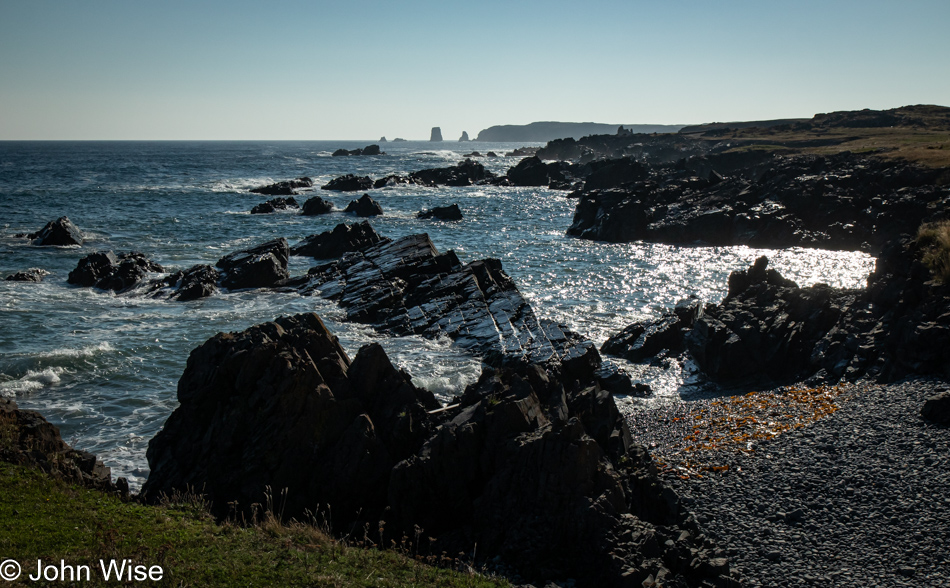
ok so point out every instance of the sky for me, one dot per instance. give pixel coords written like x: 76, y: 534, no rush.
x: 302, y: 70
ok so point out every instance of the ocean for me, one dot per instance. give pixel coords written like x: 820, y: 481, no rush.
x: 104, y: 367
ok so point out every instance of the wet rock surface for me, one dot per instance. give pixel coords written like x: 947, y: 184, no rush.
x: 26, y: 438
x: 107, y: 271
x: 364, y: 206
x: 465, y: 173
x: 31, y: 275
x: 286, y: 188
x: 274, y: 205
x: 540, y: 474
x: 262, y: 266
x: 342, y: 239
x: 448, y: 213
x: 842, y: 201
x: 349, y: 183
x: 59, y: 232
x: 315, y: 206
x: 368, y: 150
x: 856, y: 499
x: 407, y: 287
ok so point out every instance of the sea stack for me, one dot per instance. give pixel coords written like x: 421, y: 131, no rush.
x: 436, y: 134
x: 382, y: 139
x: 464, y: 137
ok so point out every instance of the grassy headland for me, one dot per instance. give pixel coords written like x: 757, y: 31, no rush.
x: 50, y: 520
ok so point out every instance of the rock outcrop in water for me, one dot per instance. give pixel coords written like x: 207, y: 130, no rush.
x: 368, y: 150
x: 843, y: 201
x: 436, y: 135
x: 769, y: 330
x: 33, y: 274
x: 364, y: 206
x: 274, y: 205
x: 286, y: 188
x: 342, y: 239
x: 407, y: 287
x: 262, y: 266
x: 465, y: 173
x: 451, y: 212
x: 59, y: 232
x: 349, y: 183
x: 464, y: 137
x: 541, y: 476
x: 26, y: 438
x: 315, y: 206
x: 107, y: 271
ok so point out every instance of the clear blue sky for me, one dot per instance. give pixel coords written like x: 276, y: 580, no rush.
x: 135, y: 69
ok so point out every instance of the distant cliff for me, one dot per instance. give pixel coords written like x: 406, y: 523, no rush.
x: 548, y: 131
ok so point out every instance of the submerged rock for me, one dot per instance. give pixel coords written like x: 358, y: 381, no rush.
x: 107, y: 271
x: 275, y: 205
x: 448, y: 213
x: 198, y: 281
x: 349, y: 183
x: 365, y: 206
x: 315, y: 206
x: 539, y: 474
x: 342, y: 239
x: 287, y: 188
x: 262, y: 266
x: 59, y: 232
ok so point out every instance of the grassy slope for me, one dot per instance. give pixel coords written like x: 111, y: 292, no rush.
x: 50, y: 520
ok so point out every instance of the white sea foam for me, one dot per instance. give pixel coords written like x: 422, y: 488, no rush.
x: 32, y: 380
x: 88, y: 351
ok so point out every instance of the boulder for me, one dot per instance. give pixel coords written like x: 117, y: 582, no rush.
x: 342, y: 239
x: 372, y: 150
x: 198, y: 281
x: 530, y: 171
x: 446, y: 213
x: 937, y: 408
x: 364, y: 207
x: 262, y: 266
x: 107, y: 271
x: 316, y: 205
x: 435, y: 135
x: 274, y: 205
x: 349, y: 183
x: 287, y: 188
x: 59, y: 232
x: 30, y: 275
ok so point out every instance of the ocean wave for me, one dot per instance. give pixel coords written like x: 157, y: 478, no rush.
x: 70, y: 352
x: 32, y: 380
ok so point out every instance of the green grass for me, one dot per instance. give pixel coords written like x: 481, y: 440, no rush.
x: 42, y: 518
x: 934, y: 241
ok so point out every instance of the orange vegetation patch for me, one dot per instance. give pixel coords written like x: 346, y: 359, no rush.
x: 707, y: 435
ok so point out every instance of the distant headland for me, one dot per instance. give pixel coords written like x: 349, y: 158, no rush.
x: 550, y: 130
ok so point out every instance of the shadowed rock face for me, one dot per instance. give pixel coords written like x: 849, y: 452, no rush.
x: 259, y: 267
x: 365, y: 206
x: 407, y: 287
x: 342, y: 239
x: 60, y: 232
x: 315, y: 206
x: 288, y: 188
x: 466, y: 173
x: 542, y: 475
x: 107, y: 271
x: 274, y: 205
x: 30, y: 275
x: 838, y: 202
x: 449, y: 213
x: 349, y: 183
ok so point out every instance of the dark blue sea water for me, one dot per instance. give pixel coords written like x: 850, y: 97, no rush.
x: 104, y: 368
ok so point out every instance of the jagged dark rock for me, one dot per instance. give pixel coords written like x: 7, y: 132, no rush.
x: 640, y: 341
x: 466, y: 173
x: 198, y: 281
x: 287, y: 188
x: 30, y: 275
x: 26, y: 438
x: 538, y: 473
x: 530, y: 171
x: 262, y: 266
x: 349, y: 183
x: 365, y: 206
x: 842, y: 201
x: 447, y: 213
x: 107, y: 271
x: 59, y: 232
x: 391, y: 180
x: 315, y: 206
x: 407, y: 287
x: 368, y: 150
x: 274, y: 205
x: 342, y: 239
